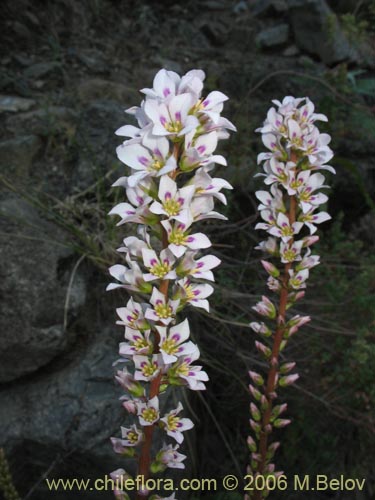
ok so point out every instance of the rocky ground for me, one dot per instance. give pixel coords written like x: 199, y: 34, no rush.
x: 68, y: 71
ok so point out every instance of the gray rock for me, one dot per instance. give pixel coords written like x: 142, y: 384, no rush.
x: 14, y: 104
x: 35, y: 271
x: 40, y: 70
x: 97, y: 88
x: 267, y: 7
x: 317, y: 31
x: 44, y: 122
x: 16, y: 155
x: 291, y: 51
x: 272, y: 37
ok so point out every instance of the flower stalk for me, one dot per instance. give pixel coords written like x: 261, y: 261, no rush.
x: 297, y: 150
x: 169, y: 189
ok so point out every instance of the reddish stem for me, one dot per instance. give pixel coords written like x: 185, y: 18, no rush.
x: 274, y: 361
x: 145, y: 454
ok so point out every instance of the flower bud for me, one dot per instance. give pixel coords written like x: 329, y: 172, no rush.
x: 251, y: 444
x: 288, y: 380
x: 255, y: 393
x: 286, y: 367
x: 280, y: 422
x: 255, y: 413
x: 270, y: 268
x: 266, y: 351
x: 256, y: 378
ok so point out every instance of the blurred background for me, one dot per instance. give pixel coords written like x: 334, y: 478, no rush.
x: 68, y: 70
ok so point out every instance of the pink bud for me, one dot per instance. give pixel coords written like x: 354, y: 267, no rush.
x: 266, y: 351
x: 270, y: 468
x: 286, y: 367
x: 256, y: 378
x: 255, y: 412
x: 310, y: 240
x: 270, y: 268
x: 280, y: 422
x: 130, y: 406
x: 288, y: 380
x: 254, y: 392
x: 251, y: 444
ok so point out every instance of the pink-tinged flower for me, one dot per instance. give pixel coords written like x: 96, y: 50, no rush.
x: 180, y: 240
x: 308, y: 261
x: 265, y: 308
x: 277, y: 171
x: 306, y: 114
x: 147, y: 367
x: 130, y: 278
x: 271, y: 200
x: 119, y: 476
x: 212, y: 105
x: 131, y: 435
x: 310, y: 219
x: 274, y: 284
x: 129, y: 404
x: 316, y: 147
x: 164, y: 310
x: 296, y: 322
x: 290, y: 253
x: 272, y: 142
x: 205, y: 185
x: 297, y: 280
x: 200, y: 268
x: 221, y: 127
x: 273, y: 124
x: 132, y: 316
x: 159, y: 267
x: 138, y: 343
x: 269, y: 246
x: 283, y: 229
x: 270, y: 221
x: 152, y: 158
x: 182, y: 372
x: 134, y: 246
x: 201, y: 209
x: 164, y: 85
x: 127, y: 381
x: 288, y: 105
x: 172, y: 118
x: 260, y: 328
x: 170, y: 457
x: 175, y: 425
x: 148, y: 413
x: 198, y: 151
x: 174, y: 203
x: 307, y: 197
x: 194, y: 294
x: 137, y: 210
x: 172, y: 343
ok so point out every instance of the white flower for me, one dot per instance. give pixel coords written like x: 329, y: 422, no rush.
x: 175, y: 425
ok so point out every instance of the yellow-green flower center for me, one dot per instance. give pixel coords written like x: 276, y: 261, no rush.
x: 174, y: 126
x: 172, y: 422
x: 160, y: 269
x: 172, y: 207
x: 177, y: 237
x: 163, y: 310
x: 157, y: 165
x: 169, y: 346
x: 183, y: 369
x: 149, y: 369
x: 149, y: 414
x: 289, y: 255
x: 141, y: 343
x: 132, y: 437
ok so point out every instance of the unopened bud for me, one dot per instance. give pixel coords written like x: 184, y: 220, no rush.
x: 270, y: 268
x: 281, y: 422
x: 251, y: 444
x: 288, y: 380
x: 256, y: 378
x: 255, y: 413
x: 255, y: 393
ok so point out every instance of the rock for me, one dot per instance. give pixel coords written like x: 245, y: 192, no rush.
x: 14, y: 104
x: 272, y: 37
x: 35, y: 270
x: 268, y: 7
x: 291, y: 51
x: 317, y: 31
x: 70, y: 413
x: 40, y: 70
x: 97, y: 142
x: 16, y: 155
x: 44, y: 122
x: 99, y: 89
